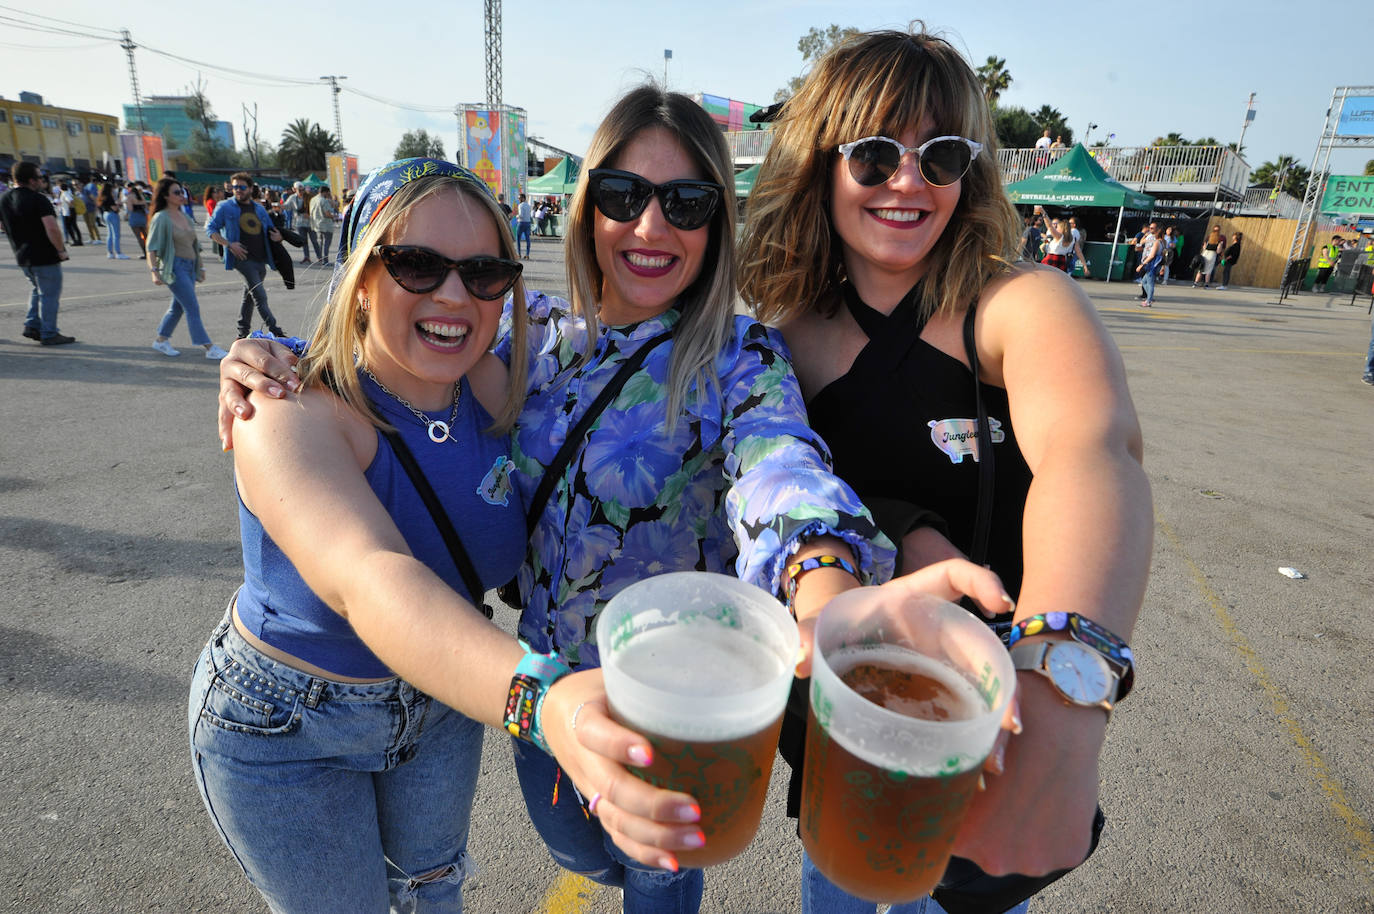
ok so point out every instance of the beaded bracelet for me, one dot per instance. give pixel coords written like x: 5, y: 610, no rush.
x: 528, y: 688
x: 1087, y: 632
x: 797, y: 569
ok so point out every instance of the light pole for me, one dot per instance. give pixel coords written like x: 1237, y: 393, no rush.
x: 1249, y: 116
x: 1089, y: 132
x: 338, y: 124
x: 667, y: 56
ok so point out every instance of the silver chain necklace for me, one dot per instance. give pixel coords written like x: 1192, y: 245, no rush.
x: 438, y: 428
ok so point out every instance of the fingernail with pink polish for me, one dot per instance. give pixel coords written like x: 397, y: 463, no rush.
x: 640, y: 756
x: 667, y: 863
x: 688, y: 812
x: 695, y: 839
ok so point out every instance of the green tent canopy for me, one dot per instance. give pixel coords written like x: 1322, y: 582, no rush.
x: 1076, y: 179
x: 744, y: 181
x: 561, y: 180
x: 313, y: 182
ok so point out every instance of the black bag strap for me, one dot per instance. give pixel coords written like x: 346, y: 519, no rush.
x: 436, y: 510
x: 574, y: 440
x: 982, y: 526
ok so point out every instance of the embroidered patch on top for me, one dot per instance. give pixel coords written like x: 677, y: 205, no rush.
x: 495, y: 487
x: 959, y: 437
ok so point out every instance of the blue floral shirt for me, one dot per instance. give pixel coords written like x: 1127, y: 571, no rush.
x: 735, y: 487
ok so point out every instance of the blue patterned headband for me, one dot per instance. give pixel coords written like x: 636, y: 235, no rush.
x: 376, y: 191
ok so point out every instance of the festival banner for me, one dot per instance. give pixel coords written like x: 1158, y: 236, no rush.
x: 482, y: 134
x: 516, y: 178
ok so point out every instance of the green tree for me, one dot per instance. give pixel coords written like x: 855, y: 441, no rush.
x: 1284, y: 173
x: 1369, y: 167
x: 1016, y: 128
x: 208, y: 151
x: 419, y: 143
x: 813, y: 46
x: 995, y: 78
x: 304, y: 146
x: 1058, y: 125
x: 198, y: 107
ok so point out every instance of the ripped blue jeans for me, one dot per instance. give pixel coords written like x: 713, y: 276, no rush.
x: 578, y: 843
x: 333, y: 796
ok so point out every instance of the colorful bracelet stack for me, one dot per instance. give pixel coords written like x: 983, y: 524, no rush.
x: 796, y: 569
x: 528, y: 688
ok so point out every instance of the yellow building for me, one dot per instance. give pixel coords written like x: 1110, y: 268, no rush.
x: 57, y: 139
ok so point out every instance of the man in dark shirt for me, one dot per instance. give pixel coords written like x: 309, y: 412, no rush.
x: 242, y: 227
x: 31, y: 224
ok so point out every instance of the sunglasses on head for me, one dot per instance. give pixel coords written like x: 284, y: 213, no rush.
x: 421, y: 270
x: 943, y: 160
x: 623, y: 195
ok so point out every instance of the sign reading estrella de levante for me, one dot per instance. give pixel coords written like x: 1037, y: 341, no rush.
x: 1348, y: 194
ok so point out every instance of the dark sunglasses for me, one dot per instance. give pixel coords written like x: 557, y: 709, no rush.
x: 623, y: 195
x: 238, y: 187
x: 943, y: 160
x: 421, y: 270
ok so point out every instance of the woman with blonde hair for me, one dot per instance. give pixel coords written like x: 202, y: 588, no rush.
x: 1213, y: 249
x: 337, y: 713
x: 963, y: 393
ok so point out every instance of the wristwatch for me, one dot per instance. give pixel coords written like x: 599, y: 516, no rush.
x: 1093, y: 668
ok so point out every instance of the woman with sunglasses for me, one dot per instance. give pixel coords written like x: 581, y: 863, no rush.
x: 880, y: 239
x: 174, y: 261
x: 337, y: 713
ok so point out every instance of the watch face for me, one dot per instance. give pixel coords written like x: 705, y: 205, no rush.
x: 1080, y: 672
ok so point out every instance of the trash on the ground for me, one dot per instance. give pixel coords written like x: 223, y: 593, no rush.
x: 1293, y: 573
x: 1210, y: 493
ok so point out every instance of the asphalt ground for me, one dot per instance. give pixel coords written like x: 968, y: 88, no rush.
x: 1236, y: 778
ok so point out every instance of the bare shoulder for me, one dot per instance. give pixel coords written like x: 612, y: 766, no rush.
x: 823, y: 348
x: 490, y: 380
x: 303, y: 425
x: 1032, y: 294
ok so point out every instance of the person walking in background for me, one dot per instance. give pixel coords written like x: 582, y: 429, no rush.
x: 136, y: 209
x: 90, y: 202
x: 323, y: 214
x: 213, y: 194
x: 1170, y: 254
x: 174, y: 261
x: 31, y: 225
x: 109, y: 211
x: 1326, y: 262
x: 1230, y: 259
x: 242, y: 227
x: 1031, y: 236
x: 303, y: 226
x: 524, y: 215
x: 66, y: 202
x: 293, y: 206
x: 1212, y: 249
x: 1151, y: 257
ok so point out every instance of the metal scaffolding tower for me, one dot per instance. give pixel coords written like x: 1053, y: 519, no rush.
x: 338, y: 124
x: 492, y: 21
x: 128, y: 45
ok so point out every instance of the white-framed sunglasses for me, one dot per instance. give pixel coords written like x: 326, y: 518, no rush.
x: 942, y: 160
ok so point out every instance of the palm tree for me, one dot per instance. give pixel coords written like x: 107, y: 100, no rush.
x: 304, y: 147
x: 1284, y: 173
x: 995, y: 78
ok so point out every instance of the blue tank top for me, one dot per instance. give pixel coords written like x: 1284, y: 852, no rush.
x: 470, y: 475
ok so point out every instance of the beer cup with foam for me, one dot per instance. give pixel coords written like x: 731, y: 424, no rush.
x: 907, y: 697
x: 701, y: 665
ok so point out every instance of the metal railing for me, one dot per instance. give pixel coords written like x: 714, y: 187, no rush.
x: 1146, y: 167
x: 748, y: 147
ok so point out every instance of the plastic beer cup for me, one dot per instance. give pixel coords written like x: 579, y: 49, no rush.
x: 701, y: 664
x: 907, y: 697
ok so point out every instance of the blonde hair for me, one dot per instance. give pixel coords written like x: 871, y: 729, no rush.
x: 883, y: 82
x: 337, y: 341
x: 707, y: 305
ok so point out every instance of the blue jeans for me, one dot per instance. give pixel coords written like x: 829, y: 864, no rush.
x: 1369, y: 362
x: 332, y: 796
x: 579, y: 843
x: 183, y: 289
x: 254, y: 274
x: 112, y: 234
x: 43, y: 300
x: 821, y: 896
x: 323, y: 242
x: 1147, y: 282
x: 522, y: 230
x: 308, y: 236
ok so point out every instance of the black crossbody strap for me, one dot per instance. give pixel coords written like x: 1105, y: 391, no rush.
x: 982, y: 528
x: 436, y: 510
x: 575, y: 438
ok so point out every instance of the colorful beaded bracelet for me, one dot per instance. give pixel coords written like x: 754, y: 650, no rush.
x: 528, y: 688
x: 797, y: 569
x: 1086, y: 632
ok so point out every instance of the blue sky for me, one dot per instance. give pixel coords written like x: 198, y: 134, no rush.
x: 1135, y: 76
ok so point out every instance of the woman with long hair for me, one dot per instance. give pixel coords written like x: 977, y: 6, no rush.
x: 136, y: 205
x: 174, y: 261
x: 703, y: 460
x: 880, y: 239
x: 1213, y: 249
x: 337, y: 713
x: 109, y: 211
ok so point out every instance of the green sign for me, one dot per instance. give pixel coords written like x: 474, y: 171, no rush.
x: 1348, y: 194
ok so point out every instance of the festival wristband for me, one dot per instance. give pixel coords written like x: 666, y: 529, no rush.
x: 1086, y: 632
x: 528, y: 687
x: 797, y: 569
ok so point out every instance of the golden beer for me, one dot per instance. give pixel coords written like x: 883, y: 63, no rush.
x: 878, y: 833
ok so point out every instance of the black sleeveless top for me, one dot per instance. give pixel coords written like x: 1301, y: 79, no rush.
x: 902, y: 424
